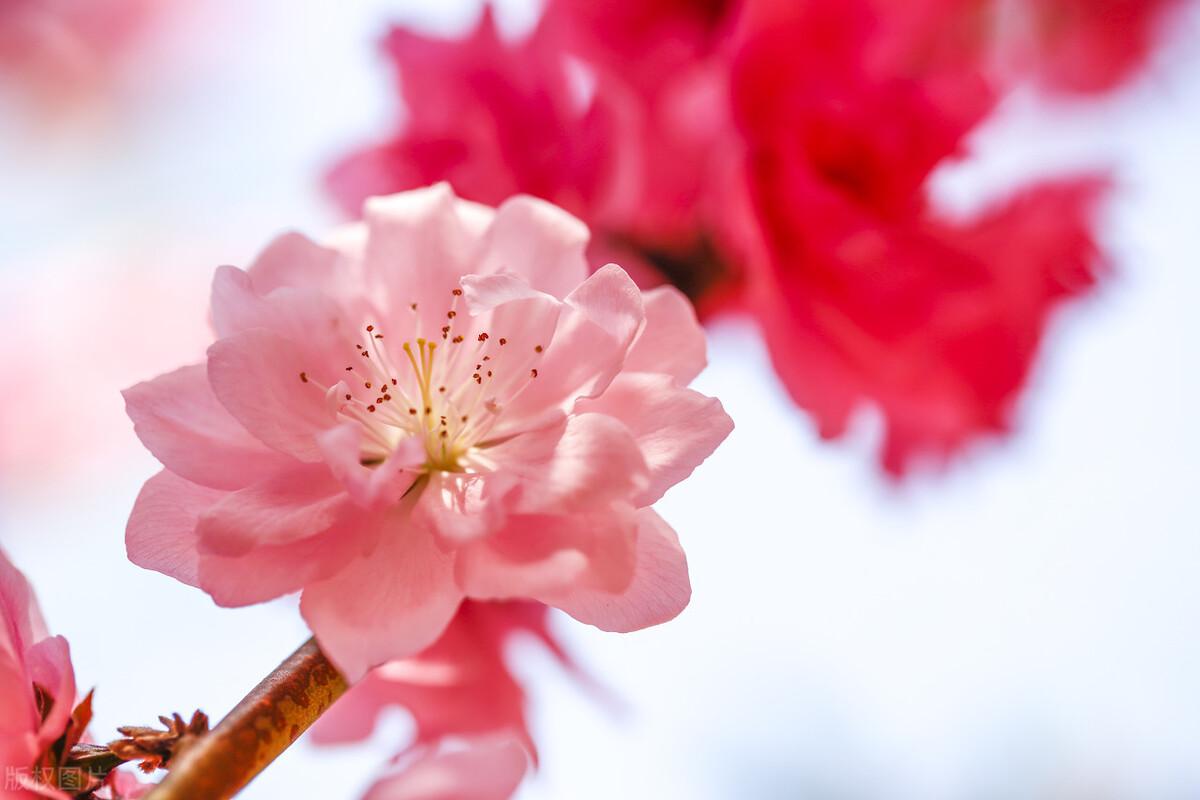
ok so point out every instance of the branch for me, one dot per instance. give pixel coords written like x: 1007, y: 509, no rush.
x: 219, y: 764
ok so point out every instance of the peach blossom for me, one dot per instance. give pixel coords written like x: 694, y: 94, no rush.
x: 437, y: 403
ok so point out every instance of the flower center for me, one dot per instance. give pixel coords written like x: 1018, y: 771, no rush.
x: 448, y: 393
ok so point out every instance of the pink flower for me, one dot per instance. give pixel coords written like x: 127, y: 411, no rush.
x: 458, y: 689
x: 37, y: 689
x: 458, y: 686
x: 437, y: 404
x: 479, y: 768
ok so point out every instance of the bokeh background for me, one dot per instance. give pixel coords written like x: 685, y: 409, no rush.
x: 1023, y: 625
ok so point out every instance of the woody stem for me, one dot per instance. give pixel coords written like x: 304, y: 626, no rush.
x: 266, y: 722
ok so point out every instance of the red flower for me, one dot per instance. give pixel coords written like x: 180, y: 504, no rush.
x: 1086, y: 46
x: 869, y: 296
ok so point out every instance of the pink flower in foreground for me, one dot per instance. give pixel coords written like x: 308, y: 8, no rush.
x: 37, y: 691
x: 439, y: 403
x: 459, y: 689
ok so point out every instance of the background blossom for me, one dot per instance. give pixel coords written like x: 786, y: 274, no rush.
x: 460, y: 689
x: 775, y: 159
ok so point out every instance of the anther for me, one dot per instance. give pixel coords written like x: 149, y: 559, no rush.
x: 483, y: 337
x: 371, y: 409
x: 537, y: 349
x: 503, y: 341
x: 456, y: 292
x: 304, y: 377
x: 533, y: 373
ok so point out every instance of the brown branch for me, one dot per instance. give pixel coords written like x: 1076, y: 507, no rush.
x: 219, y: 764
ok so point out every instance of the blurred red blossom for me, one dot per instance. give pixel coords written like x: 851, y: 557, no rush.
x: 871, y: 295
x: 459, y: 689
x: 774, y: 159
x: 1084, y: 46
x: 497, y: 118
x: 505, y: 440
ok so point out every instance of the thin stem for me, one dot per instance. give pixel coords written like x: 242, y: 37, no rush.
x: 256, y: 731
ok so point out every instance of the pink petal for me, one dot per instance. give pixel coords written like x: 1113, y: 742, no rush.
x: 320, y: 329
x: 256, y: 376
x: 538, y: 241
x: 418, y: 246
x: 537, y: 556
x: 460, y: 507
x: 659, y: 591
x: 589, y: 347
x: 161, y: 532
x: 370, y: 487
x: 19, y: 612
x: 178, y: 418
x: 485, y: 292
x: 286, y: 506
x: 675, y: 428
x: 293, y: 259
x: 387, y: 605
x: 273, y: 570
x: 672, y: 341
x: 49, y: 665
x: 488, y: 769
x: 585, y: 463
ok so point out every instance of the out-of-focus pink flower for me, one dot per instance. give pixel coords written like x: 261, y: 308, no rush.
x: 72, y: 339
x: 37, y: 690
x: 478, y: 768
x: 1083, y: 46
x: 869, y: 295
x: 60, y: 48
x: 437, y: 404
x: 459, y: 689
x: 458, y: 686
